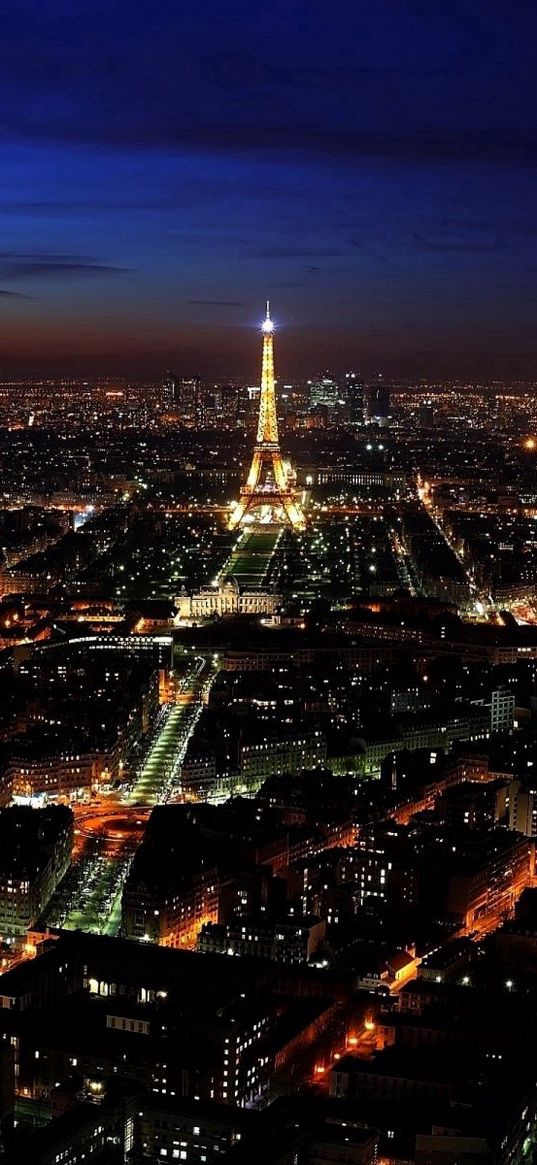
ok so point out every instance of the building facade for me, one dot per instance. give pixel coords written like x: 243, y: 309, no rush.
x: 227, y: 599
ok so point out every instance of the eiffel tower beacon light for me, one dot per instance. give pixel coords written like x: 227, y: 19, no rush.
x: 267, y: 483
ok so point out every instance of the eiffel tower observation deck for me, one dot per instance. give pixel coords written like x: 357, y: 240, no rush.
x: 267, y: 486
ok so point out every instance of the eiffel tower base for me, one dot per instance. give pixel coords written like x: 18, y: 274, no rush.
x: 251, y: 501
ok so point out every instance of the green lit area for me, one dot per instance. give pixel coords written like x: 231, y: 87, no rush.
x: 251, y: 562
x: 163, y: 760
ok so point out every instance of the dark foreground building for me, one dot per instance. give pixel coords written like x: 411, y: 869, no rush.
x: 176, y: 1023
x: 35, y: 851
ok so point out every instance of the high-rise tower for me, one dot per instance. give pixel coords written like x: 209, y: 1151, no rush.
x: 377, y: 403
x: 267, y: 482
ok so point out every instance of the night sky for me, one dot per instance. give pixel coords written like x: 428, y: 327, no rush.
x: 370, y: 166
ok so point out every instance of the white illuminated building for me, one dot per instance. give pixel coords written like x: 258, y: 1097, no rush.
x: 226, y: 599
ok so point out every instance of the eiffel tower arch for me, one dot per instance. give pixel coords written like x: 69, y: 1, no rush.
x: 267, y: 483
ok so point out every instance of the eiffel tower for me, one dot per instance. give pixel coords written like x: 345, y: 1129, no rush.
x: 267, y: 482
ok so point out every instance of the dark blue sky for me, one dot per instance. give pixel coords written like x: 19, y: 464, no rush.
x: 371, y: 166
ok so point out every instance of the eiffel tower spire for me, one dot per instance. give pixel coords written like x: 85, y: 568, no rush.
x: 267, y: 482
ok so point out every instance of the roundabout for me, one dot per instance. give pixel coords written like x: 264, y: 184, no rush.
x: 113, y: 825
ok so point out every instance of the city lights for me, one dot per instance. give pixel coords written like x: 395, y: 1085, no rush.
x: 268, y: 632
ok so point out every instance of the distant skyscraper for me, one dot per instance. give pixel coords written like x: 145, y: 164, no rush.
x: 184, y: 394
x: 354, y: 391
x: 188, y: 397
x: 168, y: 390
x: 377, y: 403
x: 324, y: 391
x: 426, y: 415
x: 225, y: 402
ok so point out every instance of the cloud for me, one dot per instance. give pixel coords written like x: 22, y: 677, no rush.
x: 177, y: 130
x: 232, y: 70
x: 18, y: 265
x: 461, y: 245
x: 14, y: 294
x: 59, y: 207
x: 62, y: 269
x: 277, y: 251
x: 361, y: 85
x: 217, y: 302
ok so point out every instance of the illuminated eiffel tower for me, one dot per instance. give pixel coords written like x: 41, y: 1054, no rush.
x: 267, y: 483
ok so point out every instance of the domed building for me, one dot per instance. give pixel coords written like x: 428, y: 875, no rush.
x: 226, y: 599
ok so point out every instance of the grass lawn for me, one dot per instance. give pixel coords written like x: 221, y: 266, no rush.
x: 249, y: 564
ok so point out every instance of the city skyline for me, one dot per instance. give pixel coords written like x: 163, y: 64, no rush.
x: 268, y: 583
x: 373, y: 175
